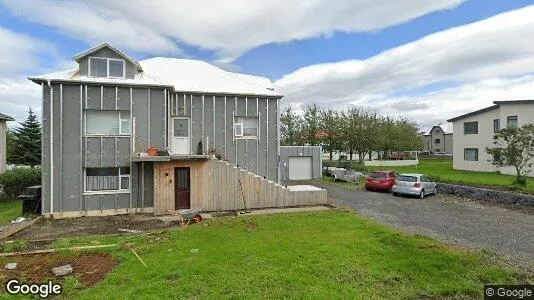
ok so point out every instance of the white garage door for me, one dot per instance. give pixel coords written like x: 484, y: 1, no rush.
x: 300, y: 168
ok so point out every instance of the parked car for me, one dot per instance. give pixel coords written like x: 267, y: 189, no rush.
x: 380, y: 180
x: 414, y: 184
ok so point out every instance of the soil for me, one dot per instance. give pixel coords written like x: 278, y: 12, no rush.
x: 88, y: 268
x: 47, y: 230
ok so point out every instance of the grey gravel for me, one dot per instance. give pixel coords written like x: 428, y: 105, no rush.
x: 506, y: 231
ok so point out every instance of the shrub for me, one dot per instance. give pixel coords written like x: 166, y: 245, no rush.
x: 349, y: 165
x: 13, y: 182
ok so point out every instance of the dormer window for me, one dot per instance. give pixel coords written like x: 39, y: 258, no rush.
x: 106, y: 67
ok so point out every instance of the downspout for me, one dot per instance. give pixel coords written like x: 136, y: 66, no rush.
x: 51, y: 121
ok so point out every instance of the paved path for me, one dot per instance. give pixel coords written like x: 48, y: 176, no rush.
x: 457, y: 222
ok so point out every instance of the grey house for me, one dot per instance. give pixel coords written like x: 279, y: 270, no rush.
x: 3, y: 144
x: 100, y: 118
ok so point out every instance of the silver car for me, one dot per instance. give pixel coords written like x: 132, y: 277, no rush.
x: 414, y: 184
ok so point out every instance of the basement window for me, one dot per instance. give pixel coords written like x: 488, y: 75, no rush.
x: 107, y: 122
x: 106, y: 67
x: 246, y: 127
x: 107, y: 179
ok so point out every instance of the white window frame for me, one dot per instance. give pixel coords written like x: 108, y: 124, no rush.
x: 120, y: 119
x: 118, y: 191
x: 239, y: 124
x: 107, y: 67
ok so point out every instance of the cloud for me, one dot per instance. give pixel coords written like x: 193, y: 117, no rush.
x: 230, y: 28
x: 16, y: 96
x: 465, y: 57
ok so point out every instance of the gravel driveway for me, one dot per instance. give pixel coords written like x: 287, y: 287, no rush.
x: 449, y: 219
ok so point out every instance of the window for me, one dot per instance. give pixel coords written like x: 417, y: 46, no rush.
x: 496, y: 125
x: 107, y: 122
x: 511, y: 121
x: 437, y: 141
x: 106, y: 67
x: 471, y: 154
x: 246, y: 127
x: 471, y: 127
x: 107, y: 179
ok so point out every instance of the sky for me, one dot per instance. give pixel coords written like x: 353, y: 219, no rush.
x: 425, y: 60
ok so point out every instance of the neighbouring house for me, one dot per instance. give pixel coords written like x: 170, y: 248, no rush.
x: 474, y: 132
x: 439, y: 138
x: 3, y: 142
x: 103, y: 119
x: 300, y: 162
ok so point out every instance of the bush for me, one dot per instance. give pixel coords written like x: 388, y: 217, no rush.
x: 13, y: 182
x: 349, y: 165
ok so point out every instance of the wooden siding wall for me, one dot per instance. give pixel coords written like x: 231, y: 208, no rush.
x: 220, y: 186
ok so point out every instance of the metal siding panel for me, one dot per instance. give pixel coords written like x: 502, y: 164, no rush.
x: 196, y: 126
x: 123, y: 201
x: 252, y: 147
x: 135, y: 182
x: 92, y: 202
x: 262, y: 150
x: 56, y: 119
x: 273, y: 145
x: 241, y: 107
x: 140, y: 108
x: 219, y: 125
x: 149, y: 185
x: 109, y: 98
x: 230, y: 142
x: 208, y: 121
x: 92, y: 156
x: 123, y: 151
x: 45, y: 181
x: 251, y: 107
x: 240, y: 145
x: 72, y: 191
x: 123, y: 99
x: 108, y: 201
x: 157, y: 119
x: 93, y: 97
x: 108, y: 152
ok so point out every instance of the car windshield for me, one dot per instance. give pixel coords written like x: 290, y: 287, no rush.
x: 406, y: 178
x: 378, y: 175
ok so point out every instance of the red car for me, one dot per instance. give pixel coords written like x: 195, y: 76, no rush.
x: 380, y: 180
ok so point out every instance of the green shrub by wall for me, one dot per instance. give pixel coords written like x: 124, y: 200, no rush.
x: 13, y: 182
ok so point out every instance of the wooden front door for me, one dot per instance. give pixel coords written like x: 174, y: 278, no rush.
x: 182, y: 188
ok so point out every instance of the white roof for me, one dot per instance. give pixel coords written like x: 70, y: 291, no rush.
x: 185, y: 75
x: 446, y: 127
x: 102, y: 45
x: 189, y: 75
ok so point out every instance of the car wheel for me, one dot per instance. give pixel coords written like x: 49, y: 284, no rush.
x: 435, y: 192
x: 395, y: 194
x: 422, y: 194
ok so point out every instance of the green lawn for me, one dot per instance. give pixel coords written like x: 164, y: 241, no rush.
x: 9, y: 210
x: 329, y: 254
x: 443, y: 169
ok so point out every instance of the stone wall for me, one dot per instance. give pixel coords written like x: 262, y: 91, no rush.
x: 493, y: 196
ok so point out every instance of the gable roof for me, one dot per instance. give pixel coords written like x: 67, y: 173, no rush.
x: 181, y: 75
x: 445, y: 127
x: 78, y: 56
x: 6, y: 117
x: 473, y: 113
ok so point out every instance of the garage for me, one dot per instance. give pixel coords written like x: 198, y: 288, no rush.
x: 300, y: 162
x: 300, y: 168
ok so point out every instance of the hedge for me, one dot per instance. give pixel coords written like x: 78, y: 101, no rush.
x: 13, y: 182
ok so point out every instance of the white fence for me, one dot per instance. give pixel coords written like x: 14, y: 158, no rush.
x: 391, y: 163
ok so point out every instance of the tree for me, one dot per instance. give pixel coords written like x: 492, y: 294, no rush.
x: 330, y: 134
x: 311, y: 126
x: 291, y: 126
x: 27, y: 142
x: 514, y: 147
x: 10, y: 140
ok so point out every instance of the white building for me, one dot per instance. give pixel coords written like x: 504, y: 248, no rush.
x: 473, y: 132
x: 438, y: 138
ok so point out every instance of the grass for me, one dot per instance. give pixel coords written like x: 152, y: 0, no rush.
x: 443, y: 170
x: 9, y: 210
x: 328, y: 254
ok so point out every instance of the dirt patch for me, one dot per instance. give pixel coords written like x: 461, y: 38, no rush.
x: 48, y: 229
x: 88, y: 268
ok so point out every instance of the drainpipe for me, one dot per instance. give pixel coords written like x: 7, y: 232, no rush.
x: 51, y: 123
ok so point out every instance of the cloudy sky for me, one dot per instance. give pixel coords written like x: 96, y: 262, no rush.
x: 428, y: 60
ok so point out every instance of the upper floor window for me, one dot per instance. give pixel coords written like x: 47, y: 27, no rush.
x: 496, y: 125
x: 106, y: 67
x: 471, y: 127
x: 107, y: 122
x: 511, y: 121
x: 246, y: 127
x: 437, y: 141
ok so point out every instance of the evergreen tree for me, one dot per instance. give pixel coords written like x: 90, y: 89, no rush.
x: 27, y: 142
